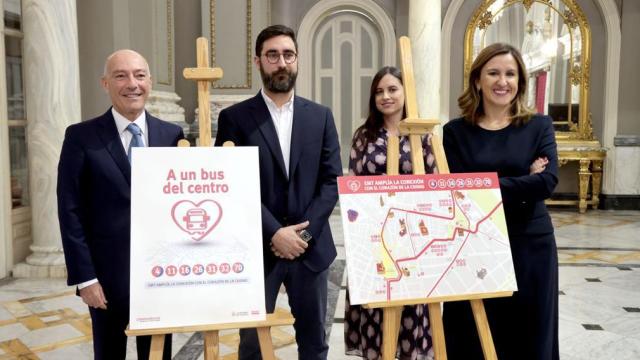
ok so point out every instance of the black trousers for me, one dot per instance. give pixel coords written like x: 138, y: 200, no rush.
x: 307, y: 292
x: 109, y: 339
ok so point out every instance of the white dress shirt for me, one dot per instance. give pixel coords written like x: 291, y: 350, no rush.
x: 125, y: 136
x: 283, y: 121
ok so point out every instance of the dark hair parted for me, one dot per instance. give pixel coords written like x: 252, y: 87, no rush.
x: 368, y: 132
x: 271, y: 32
x: 470, y: 102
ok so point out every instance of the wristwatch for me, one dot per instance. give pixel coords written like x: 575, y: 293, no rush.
x: 305, y: 235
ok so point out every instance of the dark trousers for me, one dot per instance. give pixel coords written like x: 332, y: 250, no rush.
x: 307, y: 291
x: 524, y: 326
x: 109, y: 339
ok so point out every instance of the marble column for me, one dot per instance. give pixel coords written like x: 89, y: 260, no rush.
x: 424, y: 32
x: 53, y: 102
x: 164, y: 105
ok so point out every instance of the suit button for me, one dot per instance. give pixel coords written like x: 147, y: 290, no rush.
x: 286, y: 220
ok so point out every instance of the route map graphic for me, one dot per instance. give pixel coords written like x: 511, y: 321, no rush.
x: 419, y: 236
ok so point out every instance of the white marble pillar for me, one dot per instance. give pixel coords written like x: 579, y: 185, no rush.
x: 52, y: 87
x: 424, y: 32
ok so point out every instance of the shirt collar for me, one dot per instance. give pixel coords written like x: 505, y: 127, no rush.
x: 272, y: 105
x: 122, y: 122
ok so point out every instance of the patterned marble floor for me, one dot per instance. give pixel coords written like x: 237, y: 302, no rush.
x: 599, y: 256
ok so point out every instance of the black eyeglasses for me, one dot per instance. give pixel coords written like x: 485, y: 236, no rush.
x: 273, y: 57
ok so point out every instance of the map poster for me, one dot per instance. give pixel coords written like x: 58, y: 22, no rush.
x: 424, y: 236
x: 196, y: 237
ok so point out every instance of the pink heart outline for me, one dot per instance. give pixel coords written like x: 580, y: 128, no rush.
x: 209, y: 229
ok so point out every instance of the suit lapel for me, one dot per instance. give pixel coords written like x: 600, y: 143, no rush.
x: 262, y: 117
x: 153, y: 130
x: 300, y: 126
x: 108, y: 134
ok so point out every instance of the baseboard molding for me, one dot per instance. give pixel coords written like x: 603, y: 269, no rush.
x: 619, y: 202
x: 607, y: 202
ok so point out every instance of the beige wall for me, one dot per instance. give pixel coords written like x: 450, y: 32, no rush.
x: 96, y: 40
x: 628, y: 104
x: 188, y: 24
x: 107, y: 25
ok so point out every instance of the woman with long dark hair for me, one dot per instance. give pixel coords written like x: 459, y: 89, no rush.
x: 499, y: 133
x: 363, y: 327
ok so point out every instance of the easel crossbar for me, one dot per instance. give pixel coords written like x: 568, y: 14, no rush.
x: 275, y: 319
x: 439, y: 299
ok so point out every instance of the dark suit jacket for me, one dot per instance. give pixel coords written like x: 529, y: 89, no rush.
x: 94, y: 183
x: 310, y: 192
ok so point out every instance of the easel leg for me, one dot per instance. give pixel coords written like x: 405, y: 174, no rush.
x: 390, y: 329
x: 266, y: 345
x: 211, y: 341
x: 482, y: 324
x: 157, y: 347
x: 437, y: 332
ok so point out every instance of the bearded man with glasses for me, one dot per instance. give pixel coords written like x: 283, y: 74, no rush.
x: 299, y: 157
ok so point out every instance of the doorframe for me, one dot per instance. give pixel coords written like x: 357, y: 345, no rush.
x: 6, y: 229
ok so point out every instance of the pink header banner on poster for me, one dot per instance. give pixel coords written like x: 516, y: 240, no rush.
x: 404, y: 183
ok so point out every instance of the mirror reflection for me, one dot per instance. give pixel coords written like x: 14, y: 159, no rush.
x: 551, y: 49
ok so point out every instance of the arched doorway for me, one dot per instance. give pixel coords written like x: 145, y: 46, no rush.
x: 342, y: 45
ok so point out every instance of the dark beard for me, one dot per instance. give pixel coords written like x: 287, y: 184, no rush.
x: 275, y: 85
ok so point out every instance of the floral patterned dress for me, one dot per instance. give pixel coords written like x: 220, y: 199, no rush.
x: 363, y: 327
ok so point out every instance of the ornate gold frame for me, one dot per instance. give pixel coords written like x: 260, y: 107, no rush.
x: 212, y: 46
x: 573, y: 17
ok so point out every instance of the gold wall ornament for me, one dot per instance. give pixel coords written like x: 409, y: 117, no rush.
x: 575, y: 75
x: 485, y: 20
x: 588, y: 133
x: 586, y: 81
x: 529, y: 27
x: 570, y: 19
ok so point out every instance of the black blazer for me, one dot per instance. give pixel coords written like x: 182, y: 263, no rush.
x: 310, y: 192
x: 94, y: 202
x: 510, y: 152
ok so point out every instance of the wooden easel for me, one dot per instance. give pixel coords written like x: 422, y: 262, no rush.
x: 205, y: 75
x: 415, y: 128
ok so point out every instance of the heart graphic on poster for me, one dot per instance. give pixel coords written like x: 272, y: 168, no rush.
x: 197, y: 220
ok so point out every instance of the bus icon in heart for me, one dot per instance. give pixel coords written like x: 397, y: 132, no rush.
x: 197, y: 220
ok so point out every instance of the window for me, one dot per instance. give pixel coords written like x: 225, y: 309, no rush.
x: 19, y: 172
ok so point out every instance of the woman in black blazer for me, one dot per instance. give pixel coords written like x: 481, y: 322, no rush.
x: 498, y: 132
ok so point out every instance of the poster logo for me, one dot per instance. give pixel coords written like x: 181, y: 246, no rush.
x: 353, y: 185
x: 197, y: 220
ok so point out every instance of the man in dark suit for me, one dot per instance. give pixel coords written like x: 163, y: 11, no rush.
x: 94, y: 183
x: 299, y: 162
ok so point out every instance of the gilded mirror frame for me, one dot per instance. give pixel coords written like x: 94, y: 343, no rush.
x: 573, y: 17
